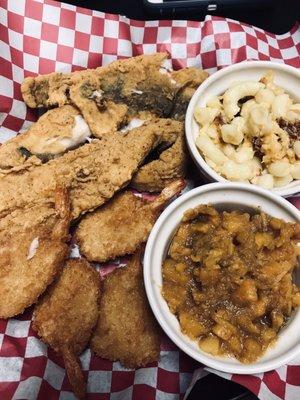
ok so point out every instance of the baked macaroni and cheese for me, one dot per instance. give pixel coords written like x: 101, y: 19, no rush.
x: 252, y: 133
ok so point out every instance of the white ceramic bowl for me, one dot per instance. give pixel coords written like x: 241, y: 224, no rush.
x: 223, y: 196
x: 285, y: 76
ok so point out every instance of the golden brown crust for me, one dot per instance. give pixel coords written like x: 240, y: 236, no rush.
x: 39, y: 139
x: 121, y: 225
x: 66, y: 315
x: 75, y: 374
x: 30, y: 259
x: 94, y: 172
x: 53, y: 89
x: 191, y: 76
x: 126, y: 329
x: 115, y: 229
x: 102, y: 121
x: 157, y: 174
x: 110, y: 95
x: 189, y: 79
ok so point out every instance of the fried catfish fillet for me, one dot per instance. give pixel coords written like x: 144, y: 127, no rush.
x: 55, y: 132
x: 109, y: 96
x: 121, y: 225
x: 171, y: 163
x: 31, y: 258
x: 188, y: 80
x: 157, y: 174
x: 94, y: 172
x: 66, y: 315
x: 119, y: 81
x: 126, y: 329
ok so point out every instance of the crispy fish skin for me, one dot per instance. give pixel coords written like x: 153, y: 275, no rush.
x: 157, y: 174
x: 126, y: 329
x: 102, y: 121
x: 46, y: 90
x: 66, y: 315
x: 93, y: 172
x: 190, y: 75
x: 109, y: 96
x: 121, y: 225
x: 51, y: 135
x: 30, y: 259
x: 122, y: 90
x: 189, y: 79
x: 116, y: 80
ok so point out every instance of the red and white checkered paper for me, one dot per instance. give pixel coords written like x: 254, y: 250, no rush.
x: 42, y: 36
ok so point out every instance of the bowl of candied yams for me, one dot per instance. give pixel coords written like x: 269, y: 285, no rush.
x: 243, y: 125
x: 221, y: 276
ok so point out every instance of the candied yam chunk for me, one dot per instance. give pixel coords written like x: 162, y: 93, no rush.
x: 277, y: 319
x: 210, y: 344
x: 246, y: 292
x: 264, y: 239
x: 296, y: 300
x: 174, y: 271
x: 178, y: 248
x: 174, y: 295
x: 252, y: 349
x: 258, y: 308
x: 235, y: 222
x: 191, y: 325
x: 235, y: 345
x: 207, y: 276
x: 203, y: 213
x: 224, y: 329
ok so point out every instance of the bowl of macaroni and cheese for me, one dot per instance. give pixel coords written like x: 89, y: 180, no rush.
x: 221, y: 275
x: 243, y: 125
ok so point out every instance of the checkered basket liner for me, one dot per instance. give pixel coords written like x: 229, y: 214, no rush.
x: 42, y: 36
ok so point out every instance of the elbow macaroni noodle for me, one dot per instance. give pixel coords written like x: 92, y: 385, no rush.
x: 252, y: 133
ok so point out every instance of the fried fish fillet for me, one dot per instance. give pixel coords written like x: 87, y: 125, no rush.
x: 31, y: 258
x: 157, y: 174
x: 66, y: 315
x: 122, y: 224
x: 124, y: 89
x: 109, y: 96
x: 188, y: 79
x: 171, y: 163
x: 55, y: 132
x: 117, y: 81
x: 126, y: 329
x: 93, y: 172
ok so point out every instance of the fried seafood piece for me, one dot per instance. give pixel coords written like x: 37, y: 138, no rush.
x: 66, y: 315
x: 122, y: 81
x: 170, y: 165
x: 31, y: 258
x: 188, y: 80
x: 123, y: 90
x: 94, y: 172
x: 102, y: 120
x: 109, y: 96
x: 56, y: 131
x: 126, y: 328
x: 121, y: 225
